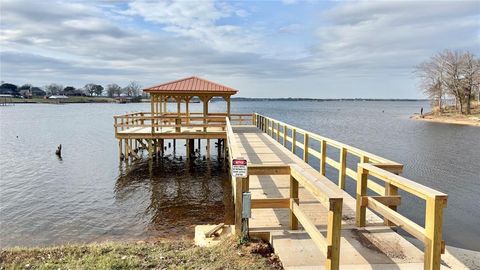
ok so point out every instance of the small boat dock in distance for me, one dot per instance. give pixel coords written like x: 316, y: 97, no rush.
x: 310, y: 220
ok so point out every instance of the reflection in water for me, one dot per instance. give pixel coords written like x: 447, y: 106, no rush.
x: 182, y: 194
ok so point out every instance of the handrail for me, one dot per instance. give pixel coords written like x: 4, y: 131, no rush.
x: 383, y: 170
x: 430, y: 235
x: 331, y: 199
x: 280, y: 132
x: 177, y: 121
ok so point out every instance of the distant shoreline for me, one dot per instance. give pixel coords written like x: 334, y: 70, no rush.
x: 324, y: 99
x: 84, y: 99
x: 471, y: 120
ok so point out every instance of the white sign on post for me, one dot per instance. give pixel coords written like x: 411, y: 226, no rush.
x: 239, y: 168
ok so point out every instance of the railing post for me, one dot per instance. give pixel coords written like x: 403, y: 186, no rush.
x: 334, y: 226
x: 390, y: 190
x: 277, y: 131
x: 323, y: 152
x: 343, y: 168
x: 284, y: 135
x: 433, y: 232
x: 293, y: 198
x: 361, y: 209
x: 305, y: 147
x: 238, y: 205
x: 294, y: 140
x: 116, y: 128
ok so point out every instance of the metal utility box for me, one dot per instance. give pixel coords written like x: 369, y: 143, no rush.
x: 247, y: 205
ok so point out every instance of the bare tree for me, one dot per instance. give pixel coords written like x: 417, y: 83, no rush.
x: 470, y: 70
x: 53, y: 89
x: 133, y: 89
x: 431, y: 75
x: 454, y: 74
x: 113, y: 90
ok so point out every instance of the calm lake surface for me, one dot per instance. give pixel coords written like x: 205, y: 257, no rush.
x: 90, y: 196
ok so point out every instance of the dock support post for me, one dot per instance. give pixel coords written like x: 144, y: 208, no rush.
x: 294, y: 198
x: 219, y: 148
x: 120, y: 153
x: 125, y: 150
x: 190, y: 147
x: 174, y: 146
x: 208, y: 148
x: 150, y: 148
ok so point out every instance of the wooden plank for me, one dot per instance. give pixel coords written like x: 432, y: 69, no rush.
x: 411, y: 227
x: 310, y: 228
x: 392, y: 200
x: 271, y: 203
x: 311, y: 183
x: 335, y: 164
x: 375, y: 187
x: 212, y: 231
x: 401, y: 182
x: 260, y: 169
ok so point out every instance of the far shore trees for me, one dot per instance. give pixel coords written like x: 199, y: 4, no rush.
x: 113, y: 90
x: 132, y: 89
x: 53, y: 89
x: 450, y: 75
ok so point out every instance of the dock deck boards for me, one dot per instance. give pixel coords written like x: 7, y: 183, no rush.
x: 374, y: 247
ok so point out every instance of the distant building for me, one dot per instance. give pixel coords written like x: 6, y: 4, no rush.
x: 33, y: 92
x: 9, y: 89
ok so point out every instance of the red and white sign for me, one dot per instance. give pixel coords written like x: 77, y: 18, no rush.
x: 239, y: 168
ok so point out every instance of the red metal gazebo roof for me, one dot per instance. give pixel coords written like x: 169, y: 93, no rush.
x: 194, y: 85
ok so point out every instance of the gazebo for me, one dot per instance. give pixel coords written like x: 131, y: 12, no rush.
x: 149, y: 130
x: 184, y: 90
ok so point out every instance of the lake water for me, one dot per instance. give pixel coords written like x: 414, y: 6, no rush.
x: 90, y: 196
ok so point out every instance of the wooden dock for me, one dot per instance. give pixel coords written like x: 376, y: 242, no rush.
x: 311, y: 222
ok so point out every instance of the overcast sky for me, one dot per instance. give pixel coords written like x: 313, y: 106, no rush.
x: 263, y: 48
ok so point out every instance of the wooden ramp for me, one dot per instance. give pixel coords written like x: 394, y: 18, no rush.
x: 373, y: 247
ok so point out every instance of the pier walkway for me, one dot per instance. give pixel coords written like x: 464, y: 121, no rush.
x: 299, y: 210
x: 377, y: 247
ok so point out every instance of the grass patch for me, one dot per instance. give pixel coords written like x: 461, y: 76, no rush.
x: 142, y: 255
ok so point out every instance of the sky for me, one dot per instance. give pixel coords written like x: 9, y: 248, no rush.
x: 289, y: 48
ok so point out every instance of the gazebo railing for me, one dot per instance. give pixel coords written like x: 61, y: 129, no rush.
x: 153, y: 122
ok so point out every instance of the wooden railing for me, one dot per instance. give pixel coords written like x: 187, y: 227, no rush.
x: 280, y: 132
x: 331, y: 199
x: 431, y: 235
x: 370, y: 165
x: 172, y: 120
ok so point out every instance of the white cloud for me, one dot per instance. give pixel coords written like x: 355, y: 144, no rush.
x: 200, y: 21
x: 365, y: 37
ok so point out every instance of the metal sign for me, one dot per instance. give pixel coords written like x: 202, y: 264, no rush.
x: 239, y: 168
